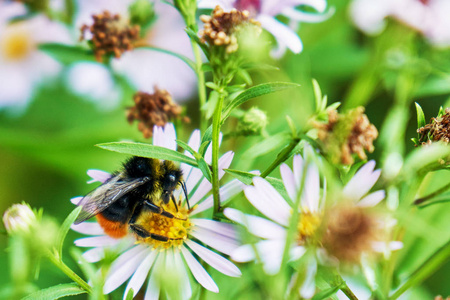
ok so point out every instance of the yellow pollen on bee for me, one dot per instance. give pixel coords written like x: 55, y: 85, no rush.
x: 16, y: 43
x: 175, y: 229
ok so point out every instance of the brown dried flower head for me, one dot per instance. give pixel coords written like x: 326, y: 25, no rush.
x: 438, y: 129
x: 111, y: 34
x: 220, y: 29
x: 153, y: 109
x: 347, y: 134
x: 350, y: 231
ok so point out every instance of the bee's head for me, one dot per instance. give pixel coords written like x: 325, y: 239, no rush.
x: 172, y: 178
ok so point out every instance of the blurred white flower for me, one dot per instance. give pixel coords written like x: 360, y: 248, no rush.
x: 430, y: 17
x: 136, y: 260
x: 19, y: 218
x: 84, y: 78
x: 265, y: 12
x: 147, y: 68
x: 22, y: 66
x: 273, y: 232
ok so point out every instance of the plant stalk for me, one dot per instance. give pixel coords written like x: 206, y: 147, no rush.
x: 215, y: 152
x: 282, y: 157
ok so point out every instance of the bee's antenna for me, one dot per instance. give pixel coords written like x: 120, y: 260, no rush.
x: 174, y: 201
x: 183, y: 185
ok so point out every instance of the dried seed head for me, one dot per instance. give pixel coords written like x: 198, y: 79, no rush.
x: 437, y: 130
x: 347, y: 134
x: 153, y: 109
x: 350, y: 231
x: 111, y: 35
x: 220, y: 28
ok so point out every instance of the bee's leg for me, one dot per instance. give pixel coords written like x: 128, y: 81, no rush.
x: 145, y: 234
x: 136, y: 211
x: 159, y: 210
x: 174, y: 201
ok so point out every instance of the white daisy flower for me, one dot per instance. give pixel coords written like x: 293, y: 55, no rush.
x: 22, y: 66
x: 428, y: 17
x: 311, y: 210
x: 265, y: 12
x: 146, y: 68
x: 149, y: 258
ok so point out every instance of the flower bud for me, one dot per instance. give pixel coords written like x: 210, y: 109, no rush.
x: 253, y: 122
x: 142, y: 13
x: 19, y: 218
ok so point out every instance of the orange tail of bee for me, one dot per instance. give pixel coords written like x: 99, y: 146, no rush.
x: 113, y: 229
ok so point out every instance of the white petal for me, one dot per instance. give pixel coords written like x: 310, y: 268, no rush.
x: 185, y: 284
x: 215, y: 240
x: 244, y: 253
x: 308, y: 287
x: 138, y: 278
x: 194, y: 142
x: 225, y: 229
x: 153, y: 288
x: 98, y: 175
x: 311, y: 195
x: 297, y: 166
x: 268, y: 201
x: 372, y: 199
x: 297, y: 252
x: 120, y: 271
x: 97, y: 241
x: 395, y: 245
x: 271, y: 254
x: 199, y: 272
x: 226, y: 192
x: 301, y: 16
x: 282, y: 33
x: 76, y: 200
x: 90, y: 228
x: 94, y: 255
x: 214, y: 260
x: 361, y: 182
x: 260, y: 227
x: 289, y: 181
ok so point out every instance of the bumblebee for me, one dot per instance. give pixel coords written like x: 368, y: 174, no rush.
x: 144, y: 184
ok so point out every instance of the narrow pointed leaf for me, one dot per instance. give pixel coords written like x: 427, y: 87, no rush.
x: 147, y: 150
x: 65, y: 229
x: 420, y: 116
x: 186, y: 59
x: 56, y: 292
x: 256, y: 91
x: 67, y: 54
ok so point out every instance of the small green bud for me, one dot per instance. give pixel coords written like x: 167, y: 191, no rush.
x: 142, y: 13
x: 253, y: 122
x: 19, y: 219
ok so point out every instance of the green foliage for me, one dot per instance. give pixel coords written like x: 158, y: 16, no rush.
x: 64, y: 229
x: 56, y: 292
x: 67, y: 54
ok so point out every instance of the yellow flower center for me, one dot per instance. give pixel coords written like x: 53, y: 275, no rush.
x: 16, y: 44
x: 175, y: 230
x: 307, y: 226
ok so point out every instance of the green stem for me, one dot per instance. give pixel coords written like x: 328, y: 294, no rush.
x: 425, y: 270
x: 282, y: 157
x: 432, y: 195
x: 347, y: 291
x: 215, y: 151
x: 68, y: 271
x: 201, y: 85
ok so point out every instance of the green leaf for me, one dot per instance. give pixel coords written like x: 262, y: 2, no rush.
x: 247, y: 178
x: 317, y: 96
x: 245, y: 76
x: 256, y: 91
x: 425, y: 159
x: 129, y: 295
x: 202, y: 165
x: 65, y: 229
x: 211, y: 104
x: 67, y: 54
x: 259, y: 66
x: 186, y: 147
x: 147, y: 150
x: 186, y: 59
x: 420, y: 116
x: 267, y: 145
x: 56, y: 292
x: 193, y: 36
x: 326, y: 294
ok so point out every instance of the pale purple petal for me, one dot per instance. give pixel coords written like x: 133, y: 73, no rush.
x: 94, y: 255
x: 311, y: 194
x: 372, y: 199
x: 260, y: 227
x: 90, y: 228
x: 214, y: 260
x: 226, y: 192
x: 76, y: 200
x: 215, y: 240
x: 98, y: 175
x: 271, y: 254
x: 165, y: 137
x: 97, y: 241
x: 296, y: 252
x: 138, y: 278
x: 282, y: 33
x: 225, y: 229
x: 268, y: 201
x: 244, y: 253
x: 194, y: 141
x: 289, y: 182
x: 361, y: 182
x: 120, y: 271
x: 301, y: 16
x: 395, y: 245
x: 199, y: 272
x: 297, y: 166
x: 153, y: 287
x: 185, y: 284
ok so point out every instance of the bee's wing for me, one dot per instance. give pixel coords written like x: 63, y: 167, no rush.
x: 105, y: 195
